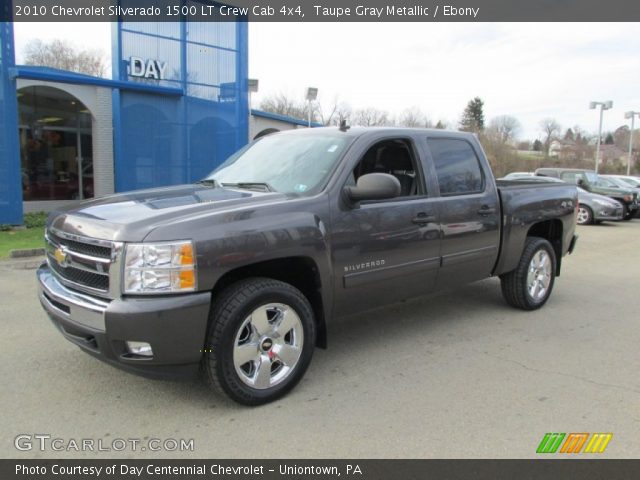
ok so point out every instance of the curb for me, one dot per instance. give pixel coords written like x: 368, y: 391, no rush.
x: 25, y: 253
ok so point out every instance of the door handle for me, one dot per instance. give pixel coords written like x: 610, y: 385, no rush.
x: 486, y: 210
x: 424, y: 217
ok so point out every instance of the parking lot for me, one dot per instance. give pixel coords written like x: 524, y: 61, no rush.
x: 458, y: 374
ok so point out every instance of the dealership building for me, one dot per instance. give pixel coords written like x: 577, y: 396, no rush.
x: 176, y: 106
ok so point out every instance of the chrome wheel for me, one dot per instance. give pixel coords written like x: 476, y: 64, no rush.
x: 584, y: 216
x: 268, y: 345
x: 539, y: 275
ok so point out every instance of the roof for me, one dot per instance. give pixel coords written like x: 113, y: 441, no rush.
x: 283, y: 118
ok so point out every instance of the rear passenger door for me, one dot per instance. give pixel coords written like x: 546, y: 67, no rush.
x: 469, y: 211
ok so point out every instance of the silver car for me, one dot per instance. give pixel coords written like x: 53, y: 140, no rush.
x: 595, y: 208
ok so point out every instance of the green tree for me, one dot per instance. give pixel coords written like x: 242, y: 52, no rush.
x: 537, y: 146
x: 473, y: 116
x: 609, y: 139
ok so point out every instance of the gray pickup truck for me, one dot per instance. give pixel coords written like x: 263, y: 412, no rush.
x: 239, y: 275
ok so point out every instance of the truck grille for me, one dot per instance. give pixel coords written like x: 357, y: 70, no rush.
x: 80, y: 263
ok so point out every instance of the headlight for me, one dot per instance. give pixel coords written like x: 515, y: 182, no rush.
x: 604, y: 203
x: 159, y: 267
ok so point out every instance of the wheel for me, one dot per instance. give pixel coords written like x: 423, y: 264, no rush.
x: 529, y: 286
x: 626, y: 214
x: 260, y: 340
x: 585, y: 215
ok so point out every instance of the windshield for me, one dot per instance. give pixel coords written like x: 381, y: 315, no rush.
x: 617, y: 181
x: 631, y: 182
x: 292, y: 164
x: 592, y: 177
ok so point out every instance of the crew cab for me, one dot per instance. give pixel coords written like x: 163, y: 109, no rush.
x: 239, y: 276
x: 593, y: 183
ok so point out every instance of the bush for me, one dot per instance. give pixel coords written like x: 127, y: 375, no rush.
x: 35, y: 219
x: 5, y: 228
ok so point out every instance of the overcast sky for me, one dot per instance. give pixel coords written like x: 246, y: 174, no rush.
x: 528, y: 70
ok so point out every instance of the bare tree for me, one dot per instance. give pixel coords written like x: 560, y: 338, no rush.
x: 337, y: 112
x: 371, y: 117
x: 506, y: 128
x: 63, y: 55
x: 414, y: 117
x: 283, y: 104
x: 551, y: 128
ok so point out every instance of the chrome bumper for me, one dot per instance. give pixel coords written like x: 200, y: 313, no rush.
x: 73, y: 306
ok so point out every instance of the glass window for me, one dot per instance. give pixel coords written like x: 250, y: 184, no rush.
x: 457, y: 166
x: 293, y: 164
x: 55, y: 145
x: 571, y: 177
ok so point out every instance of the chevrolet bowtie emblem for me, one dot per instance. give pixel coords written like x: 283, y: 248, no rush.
x: 61, y: 257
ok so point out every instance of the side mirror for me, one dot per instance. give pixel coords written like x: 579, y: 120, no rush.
x: 374, y: 186
x: 580, y: 182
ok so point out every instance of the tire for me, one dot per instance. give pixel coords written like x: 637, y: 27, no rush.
x: 626, y: 214
x: 247, y: 322
x: 585, y: 215
x: 517, y: 286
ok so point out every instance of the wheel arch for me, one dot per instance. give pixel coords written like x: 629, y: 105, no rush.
x: 550, y: 230
x: 300, y: 272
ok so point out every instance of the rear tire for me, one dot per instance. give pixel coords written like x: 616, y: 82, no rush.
x: 585, y: 215
x: 529, y: 286
x: 260, y: 341
x: 626, y: 214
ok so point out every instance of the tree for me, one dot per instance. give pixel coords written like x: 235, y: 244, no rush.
x: 506, y: 128
x: 537, y: 146
x: 371, y: 117
x: 63, y: 55
x: 282, y: 104
x: 441, y: 125
x: 413, y: 117
x: 550, y: 128
x: 608, y: 139
x: 568, y: 135
x: 473, y: 116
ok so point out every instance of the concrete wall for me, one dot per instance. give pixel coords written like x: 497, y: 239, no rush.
x: 259, y: 124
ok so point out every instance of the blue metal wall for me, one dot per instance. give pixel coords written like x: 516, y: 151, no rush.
x: 10, y: 175
x: 166, y: 140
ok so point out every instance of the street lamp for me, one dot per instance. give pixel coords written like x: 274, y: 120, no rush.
x: 632, y: 116
x: 312, y: 94
x: 603, y: 106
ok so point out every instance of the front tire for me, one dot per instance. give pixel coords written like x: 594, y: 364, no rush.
x: 585, y: 215
x: 260, y: 340
x: 529, y: 286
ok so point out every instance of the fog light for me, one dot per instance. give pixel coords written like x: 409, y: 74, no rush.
x: 140, y: 348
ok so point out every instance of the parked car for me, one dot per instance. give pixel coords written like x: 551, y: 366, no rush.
x: 615, y: 182
x: 593, y: 208
x: 241, y: 273
x: 628, y: 180
x: 591, y: 182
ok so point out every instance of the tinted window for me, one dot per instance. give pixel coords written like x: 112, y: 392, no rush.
x: 457, y: 166
x: 571, y: 177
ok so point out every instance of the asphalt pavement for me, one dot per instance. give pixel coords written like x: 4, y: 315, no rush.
x: 454, y: 375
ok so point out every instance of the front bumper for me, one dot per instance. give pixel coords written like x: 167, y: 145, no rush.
x: 175, y: 327
x: 607, y: 213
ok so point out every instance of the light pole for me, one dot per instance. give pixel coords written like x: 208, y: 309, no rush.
x: 632, y: 116
x: 312, y: 94
x: 253, y: 88
x: 603, y: 106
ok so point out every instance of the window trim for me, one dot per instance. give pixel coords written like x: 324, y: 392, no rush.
x: 483, y: 176
x: 417, y: 163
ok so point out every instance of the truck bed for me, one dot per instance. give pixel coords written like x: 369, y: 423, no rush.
x: 524, y: 204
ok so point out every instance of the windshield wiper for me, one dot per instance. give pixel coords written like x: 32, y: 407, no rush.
x: 208, y: 181
x: 261, y: 186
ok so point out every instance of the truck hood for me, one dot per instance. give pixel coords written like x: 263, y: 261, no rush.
x: 131, y: 216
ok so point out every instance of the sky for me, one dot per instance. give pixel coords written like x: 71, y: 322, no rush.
x: 528, y: 70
